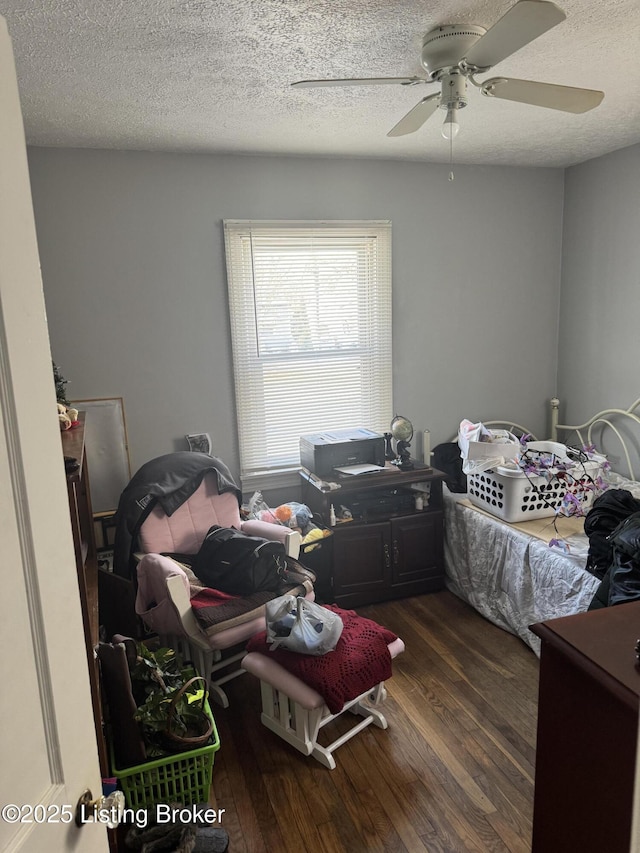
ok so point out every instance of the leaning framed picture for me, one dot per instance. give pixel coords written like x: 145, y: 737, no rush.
x: 200, y: 442
x: 107, y: 450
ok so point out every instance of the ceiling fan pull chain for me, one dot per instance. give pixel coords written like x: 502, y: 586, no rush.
x: 451, y: 175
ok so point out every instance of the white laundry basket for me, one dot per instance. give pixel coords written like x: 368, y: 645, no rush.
x: 513, y: 496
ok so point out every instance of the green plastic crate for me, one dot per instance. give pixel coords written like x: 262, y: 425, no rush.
x: 183, y: 777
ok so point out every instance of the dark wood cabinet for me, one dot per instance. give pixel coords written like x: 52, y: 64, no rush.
x: 416, y: 549
x: 84, y: 543
x: 389, y: 549
x: 361, y: 569
x: 80, y: 510
x: 587, y: 731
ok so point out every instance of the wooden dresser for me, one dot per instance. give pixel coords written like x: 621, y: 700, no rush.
x: 79, y: 493
x: 587, y: 731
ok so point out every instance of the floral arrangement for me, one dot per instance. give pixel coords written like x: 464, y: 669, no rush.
x: 570, y: 470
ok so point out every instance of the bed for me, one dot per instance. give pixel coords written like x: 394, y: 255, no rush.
x: 517, y: 574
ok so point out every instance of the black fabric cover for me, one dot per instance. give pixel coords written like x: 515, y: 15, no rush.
x: 601, y: 598
x: 169, y: 480
x: 607, y: 512
x: 446, y: 458
x: 625, y: 565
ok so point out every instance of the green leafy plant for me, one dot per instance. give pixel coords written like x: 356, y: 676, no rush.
x: 186, y: 721
x: 156, y: 677
x: 61, y: 385
x: 161, y: 670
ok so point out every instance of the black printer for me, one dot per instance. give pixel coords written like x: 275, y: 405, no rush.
x: 322, y: 452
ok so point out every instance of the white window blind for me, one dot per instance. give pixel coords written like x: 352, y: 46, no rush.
x: 310, y: 309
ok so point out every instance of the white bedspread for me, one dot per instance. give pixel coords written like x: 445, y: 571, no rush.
x: 511, y: 577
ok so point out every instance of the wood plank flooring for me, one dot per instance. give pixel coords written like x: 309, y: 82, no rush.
x: 453, y: 772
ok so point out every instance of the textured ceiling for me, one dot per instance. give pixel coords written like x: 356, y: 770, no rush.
x: 211, y: 76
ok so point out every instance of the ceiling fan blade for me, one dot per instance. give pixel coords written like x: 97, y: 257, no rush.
x: 565, y: 98
x: 360, y: 81
x: 523, y: 23
x: 417, y: 116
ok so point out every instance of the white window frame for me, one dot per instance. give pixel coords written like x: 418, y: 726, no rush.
x: 360, y: 282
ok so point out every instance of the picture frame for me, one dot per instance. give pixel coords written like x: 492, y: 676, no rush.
x: 107, y: 447
x: 200, y: 442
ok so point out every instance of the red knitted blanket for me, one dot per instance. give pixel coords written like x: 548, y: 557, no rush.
x: 359, y: 662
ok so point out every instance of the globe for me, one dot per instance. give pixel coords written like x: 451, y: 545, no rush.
x: 402, y: 431
x: 401, y: 428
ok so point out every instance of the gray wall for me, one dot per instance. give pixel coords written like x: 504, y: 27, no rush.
x: 599, y: 349
x: 133, y: 265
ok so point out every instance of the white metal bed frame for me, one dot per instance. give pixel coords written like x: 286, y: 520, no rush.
x: 619, y: 422
x: 610, y: 429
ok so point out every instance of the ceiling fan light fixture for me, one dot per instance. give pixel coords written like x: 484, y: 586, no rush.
x: 452, y: 54
x: 450, y: 126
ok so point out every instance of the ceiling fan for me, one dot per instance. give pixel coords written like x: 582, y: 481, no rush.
x: 453, y: 54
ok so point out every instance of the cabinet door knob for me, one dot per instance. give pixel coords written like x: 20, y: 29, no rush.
x: 387, y: 557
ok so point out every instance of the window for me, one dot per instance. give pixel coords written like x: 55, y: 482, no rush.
x: 310, y: 309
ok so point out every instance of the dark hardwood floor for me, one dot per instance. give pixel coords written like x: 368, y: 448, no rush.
x: 453, y: 772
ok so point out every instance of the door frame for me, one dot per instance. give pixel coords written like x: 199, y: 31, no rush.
x: 49, y: 745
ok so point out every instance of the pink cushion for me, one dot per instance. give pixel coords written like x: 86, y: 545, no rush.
x: 155, y: 607
x: 184, y: 531
x: 153, y: 603
x: 238, y: 634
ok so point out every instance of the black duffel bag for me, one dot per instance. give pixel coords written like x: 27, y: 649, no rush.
x: 238, y: 564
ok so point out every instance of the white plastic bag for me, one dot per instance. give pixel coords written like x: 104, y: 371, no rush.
x: 301, y: 626
x: 482, y: 448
